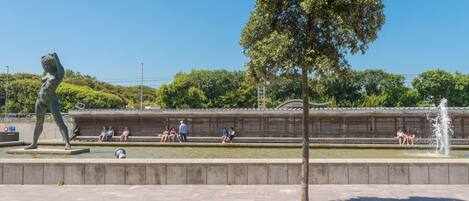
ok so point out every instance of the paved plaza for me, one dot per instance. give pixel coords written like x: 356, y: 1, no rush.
x: 233, y: 193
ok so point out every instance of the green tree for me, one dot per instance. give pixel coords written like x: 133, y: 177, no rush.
x: 23, y: 95
x: 129, y: 94
x: 69, y: 95
x: 434, y: 85
x: 284, y: 37
x: 214, y: 89
x: 340, y: 91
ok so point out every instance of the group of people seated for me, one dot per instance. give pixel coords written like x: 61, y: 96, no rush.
x: 107, y: 134
x: 404, y: 136
x: 171, y: 134
x: 228, y: 135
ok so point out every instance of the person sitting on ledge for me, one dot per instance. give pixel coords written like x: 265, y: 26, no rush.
x: 409, y: 137
x: 225, y: 136
x: 102, y: 135
x: 172, y: 134
x: 400, y: 135
x: 125, y: 134
x: 164, y: 136
x: 232, y: 134
x: 110, y: 133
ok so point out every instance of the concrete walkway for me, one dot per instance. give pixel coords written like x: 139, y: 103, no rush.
x: 234, y: 193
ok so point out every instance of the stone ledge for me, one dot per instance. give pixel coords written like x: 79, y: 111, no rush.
x: 48, y: 151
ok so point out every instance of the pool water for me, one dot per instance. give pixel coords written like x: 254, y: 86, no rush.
x: 237, y: 152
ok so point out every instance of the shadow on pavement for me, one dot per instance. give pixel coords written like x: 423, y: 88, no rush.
x: 406, y: 199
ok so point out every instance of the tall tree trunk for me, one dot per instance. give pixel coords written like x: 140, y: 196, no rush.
x: 305, y: 162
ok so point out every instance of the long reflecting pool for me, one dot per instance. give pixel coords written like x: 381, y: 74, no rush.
x: 237, y: 152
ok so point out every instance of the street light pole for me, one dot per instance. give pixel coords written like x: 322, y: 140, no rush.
x: 141, y: 90
x: 6, y: 92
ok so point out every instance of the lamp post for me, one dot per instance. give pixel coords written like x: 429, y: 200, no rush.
x: 6, y: 92
x: 141, y: 89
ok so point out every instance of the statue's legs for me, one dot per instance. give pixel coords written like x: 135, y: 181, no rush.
x: 40, y: 109
x: 55, y: 110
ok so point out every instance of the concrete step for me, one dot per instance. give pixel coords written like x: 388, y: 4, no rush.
x: 458, y: 141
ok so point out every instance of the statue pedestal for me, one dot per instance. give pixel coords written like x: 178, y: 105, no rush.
x: 73, y: 151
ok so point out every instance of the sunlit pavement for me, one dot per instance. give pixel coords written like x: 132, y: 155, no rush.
x: 236, y: 193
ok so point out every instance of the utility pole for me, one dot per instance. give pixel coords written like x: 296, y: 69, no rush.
x: 141, y: 90
x: 6, y: 93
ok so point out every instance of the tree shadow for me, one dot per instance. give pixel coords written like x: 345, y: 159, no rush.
x: 412, y: 198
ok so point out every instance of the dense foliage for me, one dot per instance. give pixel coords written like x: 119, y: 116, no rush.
x: 76, y: 88
x: 207, y: 89
x: 225, y: 89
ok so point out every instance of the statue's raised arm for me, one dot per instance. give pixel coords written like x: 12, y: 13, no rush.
x: 60, y: 69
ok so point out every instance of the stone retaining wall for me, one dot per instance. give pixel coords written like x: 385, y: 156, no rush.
x: 232, y: 171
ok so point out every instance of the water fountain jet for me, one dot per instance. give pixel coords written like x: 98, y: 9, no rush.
x: 442, y: 130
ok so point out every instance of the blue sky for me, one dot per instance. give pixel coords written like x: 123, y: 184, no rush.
x: 109, y: 38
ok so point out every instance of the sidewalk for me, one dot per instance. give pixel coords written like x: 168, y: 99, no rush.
x: 234, y: 193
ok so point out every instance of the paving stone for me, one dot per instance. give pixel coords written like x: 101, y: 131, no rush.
x: 232, y: 192
x: 294, y: 174
x: 318, y: 173
x: 196, y: 174
x: 217, y: 174
x: 237, y: 174
x: 156, y: 174
x: 33, y: 173
x: 176, y: 174
x: 135, y: 174
x: 358, y: 174
x: 398, y: 174
x: 338, y: 174
x: 94, y: 174
x: 12, y: 173
x: 74, y: 174
x: 439, y: 174
x: 277, y: 174
x: 459, y: 174
x: 114, y: 174
x: 418, y: 173
x: 257, y: 174
x: 378, y: 174
x: 53, y: 174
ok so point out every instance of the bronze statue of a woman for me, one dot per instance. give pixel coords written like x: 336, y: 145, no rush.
x: 53, y: 75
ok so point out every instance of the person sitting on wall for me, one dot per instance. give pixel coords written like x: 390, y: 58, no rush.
x: 103, y: 134
x: 409, y: 137
x: 125, y: 134
x: 232, y: 134
x: 110, y: 133
x: 172, y: 134
x: 225, y: 136
x: 164, y: 136
x: 401, y: 136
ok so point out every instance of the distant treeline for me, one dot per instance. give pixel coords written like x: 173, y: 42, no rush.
x: 226, y: 89
x: 352, y: 88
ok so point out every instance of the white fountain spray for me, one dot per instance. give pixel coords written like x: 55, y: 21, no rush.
x: 442, y: 130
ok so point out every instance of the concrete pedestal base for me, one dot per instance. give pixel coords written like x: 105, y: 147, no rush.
x: 73, y: 151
